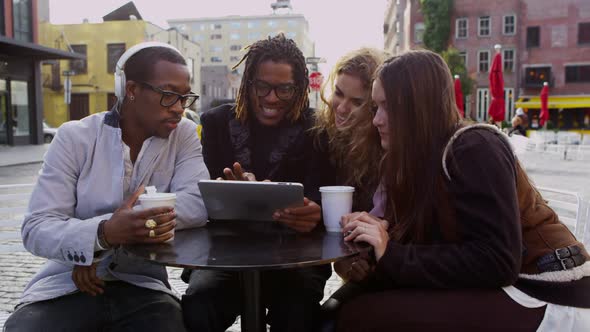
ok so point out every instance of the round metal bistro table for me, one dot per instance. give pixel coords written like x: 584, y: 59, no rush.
x: 248, y: 247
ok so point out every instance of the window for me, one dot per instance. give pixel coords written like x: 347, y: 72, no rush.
x: 463, y: 56
x: 20, y: 106
x: 509, y: 103
x: 198, y: 37
x: 535, y: 76
x: 216, y: 59
x: 253, y: 35
x: 584, y: 33
x: 215, y: 26
x: 235, y: 25
x: 484, y: 24
x: 22, y: 20
x: 271, y: 23
x: 2, y: 16
x: 204, y: 89
x: 215, y: 49
x: 461, y: 28
x: 483, y: 61
x: 509, y: 26
x: 234, y: 58
x: 215, y: 36
x: 235, y: 47
x: 79, y: 66
x: 577, y: 73
x: 291, y: 23
x: 508, y: 58
x: 234, y: 36
x: 418, y: 32
x: 114, y: 52
x: 253, y: 24
x: 482, y: 102
x: 533, y: 36
x: 291, y: 35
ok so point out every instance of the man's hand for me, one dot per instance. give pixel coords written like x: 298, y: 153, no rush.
x: 128, y: 226
x: 86, y: 280
x: 302, y: 219
x: 237, y: 174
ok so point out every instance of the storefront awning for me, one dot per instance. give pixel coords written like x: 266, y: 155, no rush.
x: 11, y: 47
x: 582, y: 101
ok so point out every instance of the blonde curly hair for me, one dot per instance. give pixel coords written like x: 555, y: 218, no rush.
x: 354, y: 149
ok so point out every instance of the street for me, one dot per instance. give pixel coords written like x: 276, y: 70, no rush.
x: 16, y: 183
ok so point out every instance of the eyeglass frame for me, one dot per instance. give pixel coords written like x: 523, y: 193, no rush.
x: 273, y: 87
x: 165, y: 93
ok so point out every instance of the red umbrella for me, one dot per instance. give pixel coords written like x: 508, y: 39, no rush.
x: 544, y: 116
x: 459, y: 96
x: 497, y: 108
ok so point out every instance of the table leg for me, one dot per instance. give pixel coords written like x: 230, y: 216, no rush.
x: 252, y: 319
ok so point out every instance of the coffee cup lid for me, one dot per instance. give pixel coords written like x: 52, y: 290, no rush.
x: 156, y: 196
x: 337, y: 189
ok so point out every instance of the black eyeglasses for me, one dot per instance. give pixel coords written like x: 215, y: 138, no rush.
x: 283, y: 91
x: 170, y: 98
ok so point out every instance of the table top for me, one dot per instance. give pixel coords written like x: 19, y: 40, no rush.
x: 248, y: 245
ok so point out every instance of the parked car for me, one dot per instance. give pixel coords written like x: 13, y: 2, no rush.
x: 48, y: 132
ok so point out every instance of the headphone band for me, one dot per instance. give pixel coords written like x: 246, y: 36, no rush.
x: 120, y: 79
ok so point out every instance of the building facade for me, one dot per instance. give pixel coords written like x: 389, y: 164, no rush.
x: 555, y: 48
x: 223, y: 40
x: 92, y: 80
x: 542, y: 40
x: 21, y: 101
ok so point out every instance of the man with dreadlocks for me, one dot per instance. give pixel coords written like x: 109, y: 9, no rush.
x: 264, y: 133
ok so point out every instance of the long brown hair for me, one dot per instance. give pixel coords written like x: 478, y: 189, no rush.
x: 281, y: 50
x: 354, y: 149
x: 422, y: 116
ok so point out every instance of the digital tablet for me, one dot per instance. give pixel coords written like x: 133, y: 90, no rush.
x: 248, y: 200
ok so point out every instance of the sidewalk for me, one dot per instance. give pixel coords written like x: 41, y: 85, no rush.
x: 24, y: 154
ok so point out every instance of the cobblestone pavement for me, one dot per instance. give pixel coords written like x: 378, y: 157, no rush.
x: 17, y: 266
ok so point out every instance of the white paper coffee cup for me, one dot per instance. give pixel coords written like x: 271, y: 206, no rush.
x: 336, y: 202
x: 148, y: 201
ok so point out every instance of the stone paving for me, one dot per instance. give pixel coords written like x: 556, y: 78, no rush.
x: 17, y: 266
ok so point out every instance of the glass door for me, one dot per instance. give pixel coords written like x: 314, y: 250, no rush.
x: 19, y: 100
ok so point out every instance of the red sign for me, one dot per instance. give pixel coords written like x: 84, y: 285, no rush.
x: 315, y: 80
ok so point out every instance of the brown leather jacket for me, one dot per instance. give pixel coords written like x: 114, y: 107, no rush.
x: 542, y: 232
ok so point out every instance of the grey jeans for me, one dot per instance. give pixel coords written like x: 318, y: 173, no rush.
x: 122, y: 307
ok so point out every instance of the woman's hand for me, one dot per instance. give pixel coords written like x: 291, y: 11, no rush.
x: 237, y: 174
x: 345, y: 219
x: 367, y: 228
x: 302, y: 219
x: 354, y: 269
x: 85, y: 279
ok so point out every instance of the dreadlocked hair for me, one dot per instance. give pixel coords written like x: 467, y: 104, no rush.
x: 281, y: 50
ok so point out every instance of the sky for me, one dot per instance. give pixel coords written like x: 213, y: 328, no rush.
x: 336, y: 26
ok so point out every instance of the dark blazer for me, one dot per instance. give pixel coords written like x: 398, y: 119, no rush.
x: 226, y: 140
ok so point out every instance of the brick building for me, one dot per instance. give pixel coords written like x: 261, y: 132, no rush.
x: 542, y: 40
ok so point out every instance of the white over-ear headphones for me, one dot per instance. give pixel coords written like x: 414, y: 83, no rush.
x: 120, y: 80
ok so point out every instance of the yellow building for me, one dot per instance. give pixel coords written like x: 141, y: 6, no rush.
x: 92, y: 79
